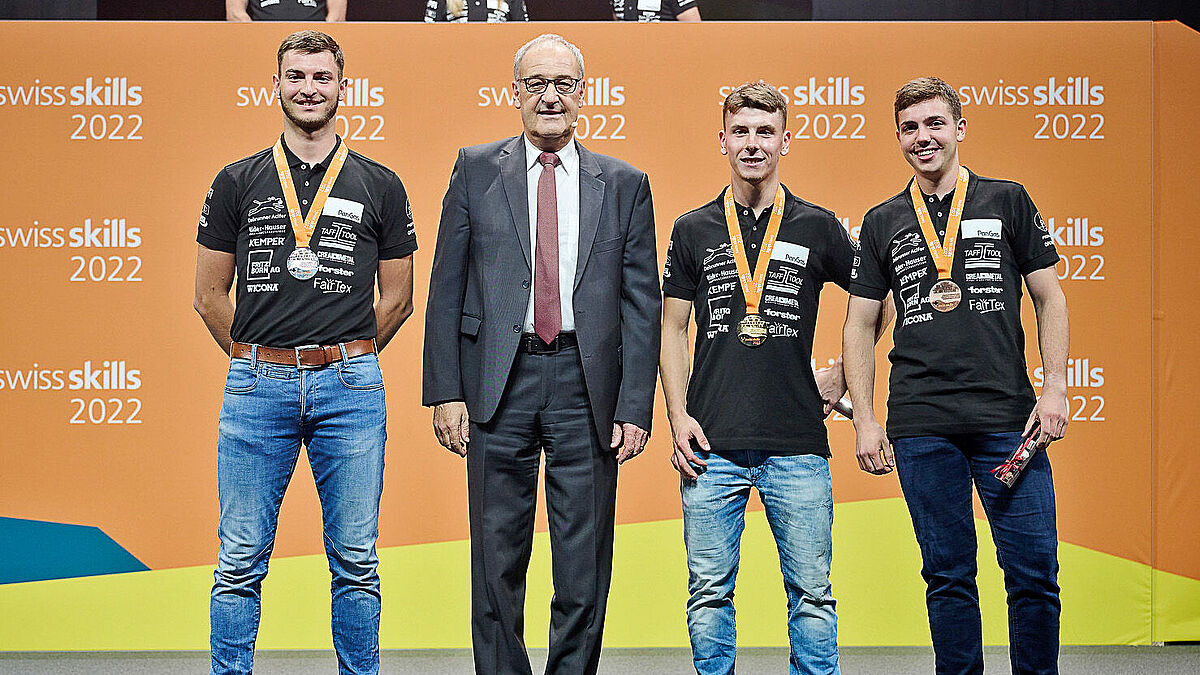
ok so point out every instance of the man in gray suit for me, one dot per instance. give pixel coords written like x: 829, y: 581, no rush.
x: 542, y: 334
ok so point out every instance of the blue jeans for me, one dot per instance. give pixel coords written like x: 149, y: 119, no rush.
x: 936, y: 475
x: 798, y: 498
x: 268, y: 411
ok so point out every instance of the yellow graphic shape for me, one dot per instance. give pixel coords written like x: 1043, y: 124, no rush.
x: 426, y: 588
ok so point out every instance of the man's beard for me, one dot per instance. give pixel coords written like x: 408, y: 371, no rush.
x: 308, y: 125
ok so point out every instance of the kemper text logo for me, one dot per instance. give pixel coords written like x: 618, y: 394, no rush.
x: 1074, y: 90
x: 94, y: 92
x: 106, y: 233
x: 360, y: 93
x: 110, y: 375
x: 835, y: 90
x: 600, y: 92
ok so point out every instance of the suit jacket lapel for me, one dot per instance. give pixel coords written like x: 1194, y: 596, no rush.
x: 591, y: 201
x: 512, y: 171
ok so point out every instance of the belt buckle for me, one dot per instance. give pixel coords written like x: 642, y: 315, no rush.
x: 306, y: 348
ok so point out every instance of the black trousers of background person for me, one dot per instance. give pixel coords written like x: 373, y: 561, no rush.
x: 544, y: 408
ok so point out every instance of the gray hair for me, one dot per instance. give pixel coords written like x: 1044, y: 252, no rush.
x: 543, y: 38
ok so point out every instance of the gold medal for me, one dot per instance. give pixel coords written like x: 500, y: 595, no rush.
x: 945, y: 295
x: 752, y: 330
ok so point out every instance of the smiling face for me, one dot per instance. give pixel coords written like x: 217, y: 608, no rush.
x: 929, y: 137
x: 549, y: 117
x: 309, y: 87
x: 754, y: 140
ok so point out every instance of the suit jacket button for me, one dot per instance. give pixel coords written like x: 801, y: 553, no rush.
x: 525, y: 284
x: 516, y: 328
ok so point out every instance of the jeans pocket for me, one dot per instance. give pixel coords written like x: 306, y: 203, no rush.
x: 361, y: 373
x: 242, y: 379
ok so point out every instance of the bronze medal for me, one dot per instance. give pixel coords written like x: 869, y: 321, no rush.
x: 945, y: 295
x: 752, y: 330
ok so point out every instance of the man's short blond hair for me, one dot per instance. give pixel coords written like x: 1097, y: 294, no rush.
x: 758, y: 95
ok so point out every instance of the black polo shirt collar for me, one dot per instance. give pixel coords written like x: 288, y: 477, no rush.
x: 754, y: 229
x: 939, y: 209
x: 295, y: 162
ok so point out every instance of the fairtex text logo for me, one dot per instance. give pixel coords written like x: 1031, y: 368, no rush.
x: 114, y: 375
x: 1075, y: 90
x: 359, y: 94
x: 93, y: 93
x: 109, y: 233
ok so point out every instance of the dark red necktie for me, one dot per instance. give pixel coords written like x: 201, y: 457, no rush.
x: 547, y: 312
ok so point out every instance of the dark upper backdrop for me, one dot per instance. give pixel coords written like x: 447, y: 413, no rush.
x: 1187, y: 11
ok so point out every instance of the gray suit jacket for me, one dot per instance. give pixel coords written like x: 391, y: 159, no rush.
x: 479, y: 288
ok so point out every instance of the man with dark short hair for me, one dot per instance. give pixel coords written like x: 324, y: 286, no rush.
x: 307, y: 227
x: 959, y: 395
x: 752, y: 263
x: 541, y: 334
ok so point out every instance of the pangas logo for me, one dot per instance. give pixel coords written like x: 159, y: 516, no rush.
x: 108, y: 233
x: 1075, y: 232
x: 94, y: 92
x: 1081, y: 374
x: 114, y: 375
x: 360, y: 93
x: 600, y: 92
x: 1075, y: 90
x: 836, y: 90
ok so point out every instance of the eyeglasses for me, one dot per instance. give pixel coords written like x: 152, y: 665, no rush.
x: 563, y: 85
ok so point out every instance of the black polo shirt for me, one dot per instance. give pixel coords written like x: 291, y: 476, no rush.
x: 366, y: 218
x: 961, y: 371
x: 286, y: 10
x: 761, y: 398
x: 490, y: 11
x: 651, y: 10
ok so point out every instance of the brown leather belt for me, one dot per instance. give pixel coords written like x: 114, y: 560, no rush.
x: 313, y: 356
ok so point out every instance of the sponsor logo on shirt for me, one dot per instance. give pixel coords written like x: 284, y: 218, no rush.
x: 785, y: 280
x: 338, y: 235
x: 343, y: 208
x: 258, y: 265
x: 982, y: 228
x: 790, y: 253
x: 982, y: 255
x: 272, y: 203
x: 986, y: 305
x: 906, y: 245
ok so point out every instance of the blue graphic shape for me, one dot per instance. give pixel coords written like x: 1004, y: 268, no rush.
x: 34, y: 550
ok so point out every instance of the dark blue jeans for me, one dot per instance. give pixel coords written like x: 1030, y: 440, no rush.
x: 936, y: 475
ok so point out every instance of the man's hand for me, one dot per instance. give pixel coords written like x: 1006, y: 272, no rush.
x: 873, y: 450
x: 682, y: 457
x: 628, y: 440
x: 452, y: 426
x: 1051, y: 411
x: 831, y: 383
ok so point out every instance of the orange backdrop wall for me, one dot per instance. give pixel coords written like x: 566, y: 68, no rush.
x: 110, y: 385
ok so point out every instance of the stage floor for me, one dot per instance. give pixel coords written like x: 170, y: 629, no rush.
x: 1165, y: 660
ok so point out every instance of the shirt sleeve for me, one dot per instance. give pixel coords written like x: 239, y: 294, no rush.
x: 840, y: 254
x: 869, y: 278
x: 679, y: 6
x: 1032, y: 244
x: 218, y: 228
x: 679, y: 272
x: 398, y: 233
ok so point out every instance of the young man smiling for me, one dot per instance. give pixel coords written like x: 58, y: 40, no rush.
x: 307, y: 227
x: 751, y: 263
x: 959, y: 392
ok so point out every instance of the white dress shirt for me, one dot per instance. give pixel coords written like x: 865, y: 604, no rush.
x: 566, y: 184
